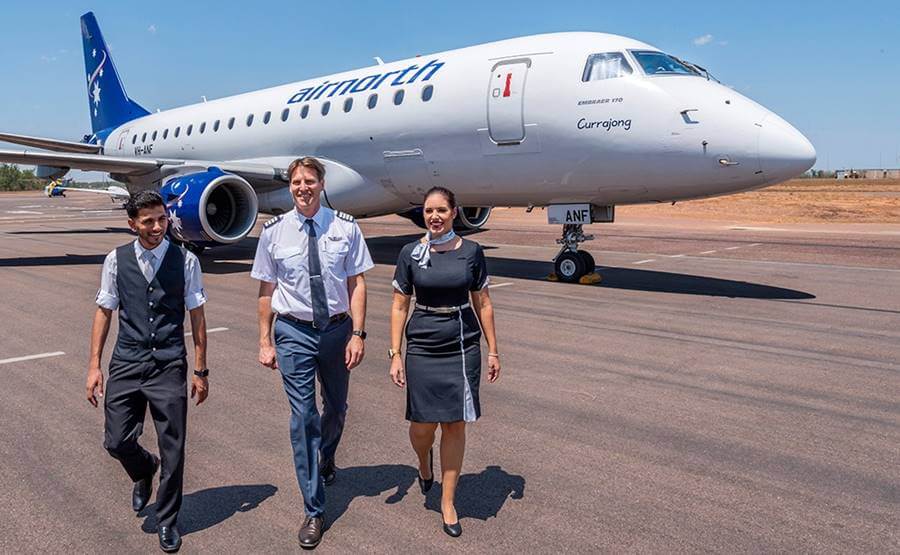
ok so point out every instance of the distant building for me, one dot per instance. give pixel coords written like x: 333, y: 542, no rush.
x: 871, y: 173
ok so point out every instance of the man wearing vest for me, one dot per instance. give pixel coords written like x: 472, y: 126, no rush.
x: 151, y: 283
x: 310, y: 263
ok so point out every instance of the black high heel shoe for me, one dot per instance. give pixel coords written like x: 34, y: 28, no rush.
x: 453, y: 530
x: 424, y: 484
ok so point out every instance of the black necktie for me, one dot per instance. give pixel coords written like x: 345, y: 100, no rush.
x: 316, y: 285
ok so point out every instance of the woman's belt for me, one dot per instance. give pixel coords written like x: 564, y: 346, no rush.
x: 442, y: 309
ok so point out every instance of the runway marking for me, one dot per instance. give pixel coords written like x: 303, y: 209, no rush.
x: 30, y: 206
x: 211, y: 330
x: 504, y: 284
x: 707, y: 252
x: 24, y: 212
x: 31, y: 357
x: 645, y: 261
x: 677, y: 255
x: 732, y: 248
x: 241, y: 261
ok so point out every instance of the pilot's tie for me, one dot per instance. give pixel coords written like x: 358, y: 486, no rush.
x: 147, y: 270
x: 316, y: 285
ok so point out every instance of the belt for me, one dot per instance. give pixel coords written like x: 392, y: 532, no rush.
x: 336, y: 318
x: 442, y: 309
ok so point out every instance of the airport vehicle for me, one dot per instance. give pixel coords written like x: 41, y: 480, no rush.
x: 574, y: 122
x: 59, y: 187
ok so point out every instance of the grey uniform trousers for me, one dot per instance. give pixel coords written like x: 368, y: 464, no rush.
x: 303, y: 353
x: 131, y: 387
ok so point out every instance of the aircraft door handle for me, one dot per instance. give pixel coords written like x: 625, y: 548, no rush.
x: 686, y: 116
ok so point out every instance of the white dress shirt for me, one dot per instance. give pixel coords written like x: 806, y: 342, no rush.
x: 194, y: 294
x: 282, y: 258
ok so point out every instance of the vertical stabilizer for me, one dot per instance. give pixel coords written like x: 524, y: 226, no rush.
x: 110, y: 106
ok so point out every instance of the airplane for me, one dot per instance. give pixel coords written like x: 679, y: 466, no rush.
x: 59, y: 187
x: 574, y: 122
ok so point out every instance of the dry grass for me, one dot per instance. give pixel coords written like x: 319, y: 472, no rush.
x: 795, y: 201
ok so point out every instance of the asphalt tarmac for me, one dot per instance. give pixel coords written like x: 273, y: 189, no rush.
x: 723, y: 388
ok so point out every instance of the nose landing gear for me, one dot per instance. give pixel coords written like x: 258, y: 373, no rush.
x: 572, y: 265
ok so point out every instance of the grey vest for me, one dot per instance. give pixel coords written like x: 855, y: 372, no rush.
x: 151, y: 315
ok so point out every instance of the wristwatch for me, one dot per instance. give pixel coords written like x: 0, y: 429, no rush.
x: 202, y: 373
x: 360, y: 333
x: 392, y: 353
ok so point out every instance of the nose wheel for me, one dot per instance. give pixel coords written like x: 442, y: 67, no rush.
x: 571, y: 264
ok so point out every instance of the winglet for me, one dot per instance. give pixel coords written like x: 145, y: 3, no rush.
x: 109, y: 105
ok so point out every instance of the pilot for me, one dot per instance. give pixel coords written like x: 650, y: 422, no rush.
x: 310, y: 263
x: 151, y: 283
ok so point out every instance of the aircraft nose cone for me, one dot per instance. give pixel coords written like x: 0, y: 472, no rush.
x: 783, y: 151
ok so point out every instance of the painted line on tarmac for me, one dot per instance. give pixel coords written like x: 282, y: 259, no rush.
x: 211, y: 330
x: 236, y: 261
x: 31, y: 357
x: 504, y: 284
x: 732, y: 248
x: 707, y: 252
x: 24, y: 212
x: 645, y: 261
x: 677, y: 255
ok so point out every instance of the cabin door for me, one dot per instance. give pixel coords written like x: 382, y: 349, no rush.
x: 506, y: 102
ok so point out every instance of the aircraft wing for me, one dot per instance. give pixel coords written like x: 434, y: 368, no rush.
x: 154, y: 169
x: 50, y: 144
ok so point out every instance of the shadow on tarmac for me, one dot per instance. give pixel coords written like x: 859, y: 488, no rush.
x: 480, y: 495
x: 367, y: 481
x: 206, y: 508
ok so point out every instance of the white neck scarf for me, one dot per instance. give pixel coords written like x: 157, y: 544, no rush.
x: 422, y: 252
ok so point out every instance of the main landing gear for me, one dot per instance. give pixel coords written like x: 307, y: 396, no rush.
x: 571, y: 264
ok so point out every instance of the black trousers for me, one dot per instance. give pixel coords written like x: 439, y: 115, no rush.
x: 131, y: 387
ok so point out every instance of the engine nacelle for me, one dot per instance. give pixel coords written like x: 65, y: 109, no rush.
x: 471, y: 217
x: 210, y: 208
x: 468, y: 218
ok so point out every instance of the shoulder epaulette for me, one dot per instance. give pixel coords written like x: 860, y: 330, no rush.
x: 344, y: 216
x: 273, y: 221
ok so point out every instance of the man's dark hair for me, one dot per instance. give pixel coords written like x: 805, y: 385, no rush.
x: 444, y: 192
x: 140, y: 200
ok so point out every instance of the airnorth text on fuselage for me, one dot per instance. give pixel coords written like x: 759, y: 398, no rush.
x: 367, y: 83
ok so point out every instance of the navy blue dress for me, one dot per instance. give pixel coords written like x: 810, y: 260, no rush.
x: 443, y: 350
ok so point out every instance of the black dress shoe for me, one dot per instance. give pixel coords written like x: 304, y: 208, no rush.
x: 311, y: 532
x: 424, y: 484
x: 143, y: 488
x: 169, y: 538
x: 328, y: 472
x: 453, y: 530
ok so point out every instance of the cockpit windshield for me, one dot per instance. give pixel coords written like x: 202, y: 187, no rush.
x: 605, y: 66
x: 658, y: 63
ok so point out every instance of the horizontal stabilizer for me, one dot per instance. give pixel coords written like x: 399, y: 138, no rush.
x: 50, y: 144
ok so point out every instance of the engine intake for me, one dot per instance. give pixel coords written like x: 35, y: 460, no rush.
x: 210, y: 208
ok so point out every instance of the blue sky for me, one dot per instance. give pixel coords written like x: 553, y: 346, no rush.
x: 830, y: 68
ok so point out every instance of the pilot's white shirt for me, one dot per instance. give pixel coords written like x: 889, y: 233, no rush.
x: 282, y: 258
x: 194, y: 295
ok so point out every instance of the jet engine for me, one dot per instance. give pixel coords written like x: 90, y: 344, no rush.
x: 467, y: 219
x: 209, y: 208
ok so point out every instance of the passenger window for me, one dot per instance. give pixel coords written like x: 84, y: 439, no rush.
x: 153, y: 138
x: 285, y: 113
x: 304, y: 111
x: 266, y: 117
x: 216, y: 126
x: 398, y: 97
x: 144, y: 138
x: 348, y: 104
x: 608, y: 65
x: 325, y: 108
x: 202, y: 127
x: 134, y: 139
x: 427, y: 93
x: 230, y: 123
x: 165, y: 133
x: 189, y: 130
x: 177, y: 131
x: 373, y: 101
x: 249, y: 120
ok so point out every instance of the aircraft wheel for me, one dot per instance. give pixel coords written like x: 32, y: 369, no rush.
x: 589, y: 263
x: 570, y: 267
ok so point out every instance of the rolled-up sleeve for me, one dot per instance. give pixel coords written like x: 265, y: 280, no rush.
x: 263, y: 264
x: 194, y: 294
x: 358, y: 260
x: 108, y: 294
x: 403, y: 282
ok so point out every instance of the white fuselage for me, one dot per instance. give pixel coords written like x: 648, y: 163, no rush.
x: 509, y: 123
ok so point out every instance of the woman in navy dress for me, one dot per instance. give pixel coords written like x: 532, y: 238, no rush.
x: 442, y: 367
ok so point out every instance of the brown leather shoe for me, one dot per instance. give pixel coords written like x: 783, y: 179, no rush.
x: 311, y: 532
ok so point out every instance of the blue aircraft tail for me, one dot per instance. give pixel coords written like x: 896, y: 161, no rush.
x: 110, y: 106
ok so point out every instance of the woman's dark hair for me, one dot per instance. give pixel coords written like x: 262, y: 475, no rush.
x: 140, y: 200
x: 446, y: 193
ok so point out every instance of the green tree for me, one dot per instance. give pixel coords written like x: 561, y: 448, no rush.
x: 14, y: 179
